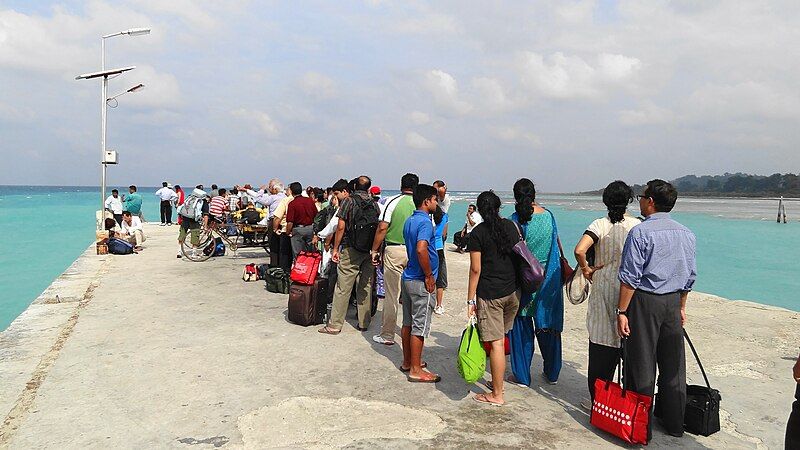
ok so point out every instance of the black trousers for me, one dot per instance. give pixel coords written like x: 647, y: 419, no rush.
x: 285, y: 252
x: 793, y: 427
x: 118, y: 218
x: 166, y: 211
x: 603, y: 361
x: 274, y: 247
x: 656, y: 340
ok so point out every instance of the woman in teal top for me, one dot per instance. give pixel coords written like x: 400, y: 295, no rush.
x: 541, y: 315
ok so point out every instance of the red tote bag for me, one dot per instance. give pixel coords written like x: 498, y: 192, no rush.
x: 621, y: 412
x: 306, y: 267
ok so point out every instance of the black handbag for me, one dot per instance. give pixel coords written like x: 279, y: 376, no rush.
x: 702, y: 403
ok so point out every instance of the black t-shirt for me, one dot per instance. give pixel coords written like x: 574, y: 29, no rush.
x: 498, y: 271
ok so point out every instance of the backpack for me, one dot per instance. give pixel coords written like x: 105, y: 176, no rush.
x: 322, y: 218
x: 191, y: 208
x: 119, y: 247
x: 363, y: 223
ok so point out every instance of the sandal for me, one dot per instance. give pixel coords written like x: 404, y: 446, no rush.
x: 424, y: 365
x: 331, y: 331
x: 435, y: 379
x: 482, y: 398
x: 490, y: 386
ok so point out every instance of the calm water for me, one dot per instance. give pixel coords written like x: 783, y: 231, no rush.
x: 742, y: 253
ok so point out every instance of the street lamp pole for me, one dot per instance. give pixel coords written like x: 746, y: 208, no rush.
x: 104, y: 112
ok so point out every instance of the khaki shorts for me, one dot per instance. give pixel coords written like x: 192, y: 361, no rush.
x: 496, y: 317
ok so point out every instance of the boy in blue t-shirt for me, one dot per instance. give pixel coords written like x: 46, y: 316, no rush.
x: 418, y: 291
x: 440, y: 221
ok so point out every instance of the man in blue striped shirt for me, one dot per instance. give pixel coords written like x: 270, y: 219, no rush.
x: 657, y: 271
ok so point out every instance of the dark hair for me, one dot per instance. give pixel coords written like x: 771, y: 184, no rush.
x: 222, y: 191
x: 472, y: 205
x: 664, y: 194
x: 199, y: 186
x: 126, y: 213
x: 489, y: 209
x: 110, y: 224
x: 177, y: 187
x: 234, y: 191
x: 328, y: 190
x: 114, y: 190
x: 319, y: 195
x: 423, y: 192
x: 363, y: 183
x: 296, y: 188
x: 524, y: 196
x: 438, y: 183
x: 214, y: 186
x: 438, y: 215
x: 409, y: 181
x: 617, y: 196
x: 164, y: 184
x: 132, y: 187
x: 341, y: 185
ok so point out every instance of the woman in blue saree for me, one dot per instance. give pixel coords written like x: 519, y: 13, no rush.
x: 541, y: 314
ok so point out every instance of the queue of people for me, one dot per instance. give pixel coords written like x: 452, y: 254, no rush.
x: 642, y: 270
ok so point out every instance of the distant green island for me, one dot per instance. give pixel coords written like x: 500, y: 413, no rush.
x: 733, y: 185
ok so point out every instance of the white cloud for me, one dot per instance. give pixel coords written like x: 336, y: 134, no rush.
x: 16, y: 113
x: 419, y: 118
x: 378, y: 135
x: 748, y: 99
x: 516, y: 134
x: 567, y: 76
x: 444, y: 89
x: 492, y: 96
x: 161, y: 89
x: 259, y: 120
x: 318, y: 85
x: 194, y: 13
x: 418, y: 141
x: 648, y: 114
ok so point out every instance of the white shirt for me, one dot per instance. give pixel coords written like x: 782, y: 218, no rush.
x: 136, y: 225
x: 387, y: 210
x: 476, y: 217
x: 114, y: 204
x: 330, y: 228
x: 166, y: 194
x: 445, y: 203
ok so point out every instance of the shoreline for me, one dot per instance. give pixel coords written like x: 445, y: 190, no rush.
x: 69, y: 357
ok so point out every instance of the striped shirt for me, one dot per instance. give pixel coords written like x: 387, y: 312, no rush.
x: 218, y: 206
x: 609, y: 240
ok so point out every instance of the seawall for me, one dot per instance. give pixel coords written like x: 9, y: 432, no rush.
x: 151, y: 351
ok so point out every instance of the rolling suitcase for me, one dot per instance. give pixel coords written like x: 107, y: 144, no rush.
x: 308, y: 303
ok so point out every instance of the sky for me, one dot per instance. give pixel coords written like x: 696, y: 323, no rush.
x: 572, y: 94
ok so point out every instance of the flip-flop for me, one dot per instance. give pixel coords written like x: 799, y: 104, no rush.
x: 490, y: 386
x: 423, y: 365
x: 478, y: 397
x: 435, y: 379
x: 331, y: 331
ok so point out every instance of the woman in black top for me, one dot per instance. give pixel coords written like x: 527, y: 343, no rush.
x: 493, y: 292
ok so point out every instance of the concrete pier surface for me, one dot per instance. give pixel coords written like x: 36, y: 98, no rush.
x: 150, y: 351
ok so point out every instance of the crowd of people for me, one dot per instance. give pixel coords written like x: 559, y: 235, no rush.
x: 642, y: 269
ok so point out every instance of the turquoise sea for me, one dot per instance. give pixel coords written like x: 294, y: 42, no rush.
x: 742, y: 253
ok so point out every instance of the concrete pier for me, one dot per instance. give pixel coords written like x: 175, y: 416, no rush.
x: 150, y: 351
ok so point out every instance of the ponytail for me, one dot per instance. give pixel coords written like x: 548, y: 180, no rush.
x: 524, y: 196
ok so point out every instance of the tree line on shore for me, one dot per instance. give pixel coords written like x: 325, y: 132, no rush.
x: 735, y: 185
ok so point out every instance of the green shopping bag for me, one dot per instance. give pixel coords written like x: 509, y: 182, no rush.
x: 471, y: 355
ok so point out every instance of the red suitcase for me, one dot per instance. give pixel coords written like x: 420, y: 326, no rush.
x: 308, y: 303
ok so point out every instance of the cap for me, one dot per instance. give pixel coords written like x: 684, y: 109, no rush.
x: 375, y: 190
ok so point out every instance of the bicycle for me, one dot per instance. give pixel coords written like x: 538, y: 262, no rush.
x: 207, y: 242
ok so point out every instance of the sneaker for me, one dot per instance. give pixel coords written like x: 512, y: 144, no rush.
x: 439, y: 310
x: 586, y: 404
x: 547, y: 380
x: 380, y: 340
x: 179, y: 255
x: 163, y: 225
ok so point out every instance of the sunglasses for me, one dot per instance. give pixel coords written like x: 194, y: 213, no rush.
x: 639, y: 197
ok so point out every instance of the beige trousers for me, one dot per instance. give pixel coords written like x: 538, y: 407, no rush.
x: 352, y: 264
x: 395, y: 260
x: 136, y: 239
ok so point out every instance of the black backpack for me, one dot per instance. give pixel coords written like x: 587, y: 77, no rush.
x: 363, y: 223
x: 323, y: 217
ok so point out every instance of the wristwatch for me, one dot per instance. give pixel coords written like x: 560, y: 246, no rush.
x: 622, y: 313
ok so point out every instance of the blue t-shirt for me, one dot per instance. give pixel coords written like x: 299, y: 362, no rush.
x: 439, y: 231
x: 417, y: 228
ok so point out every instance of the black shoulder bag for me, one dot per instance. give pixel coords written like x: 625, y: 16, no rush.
x: 702, y: 403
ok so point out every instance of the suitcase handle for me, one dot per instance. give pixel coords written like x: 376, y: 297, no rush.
x: 697, y: 358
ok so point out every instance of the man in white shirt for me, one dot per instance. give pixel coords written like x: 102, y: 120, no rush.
x: 114, y: 204
x: 473, y: 219
x: 167, y: 196
x: 132, y: 230
x: 443, y: 196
